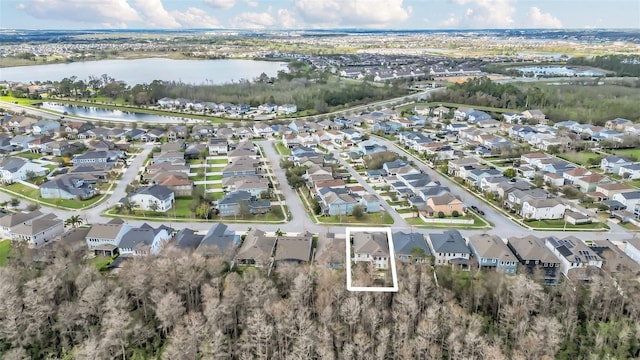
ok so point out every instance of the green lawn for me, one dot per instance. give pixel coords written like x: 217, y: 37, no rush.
x: 635, y: 153
x: 218, y: 161
x: 477, y: 223
x: 29, y: 155
x: 196, y: 178
x: 21, y: 101
x: 283, y: 150
x: 379, y: 218
x: 580, y: 158
x: 182, y: 207
x: 102, y: 262
x: 34, y: 194
x: 635, y: 183
x: 214, y: 177
x: 560, y: 224
x: 5, y: 248
x: 195, y: 161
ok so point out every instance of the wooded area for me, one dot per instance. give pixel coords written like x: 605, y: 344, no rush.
x: 181, y: 306
x: 621, y: 65
x: 586, y: 101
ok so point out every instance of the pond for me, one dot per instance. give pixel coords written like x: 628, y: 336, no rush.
x: 108, y: 114
x: 557, y: 71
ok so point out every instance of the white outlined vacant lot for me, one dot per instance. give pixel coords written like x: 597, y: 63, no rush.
x: 392, y: 259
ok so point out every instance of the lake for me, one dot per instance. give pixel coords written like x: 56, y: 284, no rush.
x: 557, y: 71
x: 146, y: 70
x: 107, y: 114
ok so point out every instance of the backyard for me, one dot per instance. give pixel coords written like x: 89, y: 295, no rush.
x: 580, y: 158
x: 633, y: 153
x: 562, y: 224
x: 5, y: 248
x: 34, y: 194
x: 367, y: 219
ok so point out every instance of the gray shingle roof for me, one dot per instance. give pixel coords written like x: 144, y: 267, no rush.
x: 405, y: 243
x: 448, y: 242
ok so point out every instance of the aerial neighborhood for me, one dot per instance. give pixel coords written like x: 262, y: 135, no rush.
x: 416, y: 168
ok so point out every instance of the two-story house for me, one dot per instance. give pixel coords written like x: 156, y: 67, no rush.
x: 535, y: 257
x: 449, y: 248
x: 577, y: 260
x: 371, y: 247
x: 155, y: 198
x: 411, y: 247
x: 491, y: 252
x: 144, y: 240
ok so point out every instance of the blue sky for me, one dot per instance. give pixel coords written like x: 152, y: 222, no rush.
x: 308, y: 14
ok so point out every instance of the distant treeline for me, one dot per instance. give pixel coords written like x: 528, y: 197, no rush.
x: 587, y: 101
x: 622, y: 65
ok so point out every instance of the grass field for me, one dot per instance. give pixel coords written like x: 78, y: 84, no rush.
x: 579, y: 158
x: 5, y: 248
x: 218, y: 161
x: 101, y: 262
x: 214, y: 177
x: 21, y: 101
x: 29, y: 155
x: 633, y: 153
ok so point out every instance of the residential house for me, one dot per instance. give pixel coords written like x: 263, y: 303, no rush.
x: 411, y: 247
x: 336, y: 201
x: 22, y: 141
x: 515, y: 197
x: 177, y: 182
x: 577, y: 260
x: 151, y: 135
x: 155, y: 198
x: 241, y: 166
x: 612, y: 164
x: 609, y: 189
x: 553, y: 179
x: 58, y: 148
x: 254, y: 185
x: 590, y: 182
x: 104, y: 239
x: 629, y: 199
x: 454, y: 166
x: 231, y: 204
x: 263, y: 130
x: 219, y: 242
x: 632, y: 249
x: 542, y: 209
x: 256, y: 249
x: 293, y: 249
x: 334, y: 253
x: 144, y: 240
x: 449, y: 248
x: 536, y: 115
x: 37, y: 231
x: 475, y: 176
x: 218, y: 145
x: 446, y: 203
x: 97, y: 157
x: 187, y: 239
x: 13, y: 169
x: 177, y: 132
x: 461, y: 113
x: 287, y: 109
x: 535, y: 257
x: 173, y: 157
x: 69, y: 187
x: 491, y: 251
x: 614, y: 260
x: 631, y: 171
x: 370, y: 203
x: 372, y: 247
x: 46, y: 127
x: 617, y: 124
x: 572, y: 175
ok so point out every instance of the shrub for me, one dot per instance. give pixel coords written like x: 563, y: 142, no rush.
x: 455, y: 213
x: 440, y: 214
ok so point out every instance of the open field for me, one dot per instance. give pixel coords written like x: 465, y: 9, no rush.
x: 454, y: 106
x: 21, y: 101
x: 34, y: 194
x: 580, y: 158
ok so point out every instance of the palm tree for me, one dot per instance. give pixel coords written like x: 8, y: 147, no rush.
x: 74, y: 221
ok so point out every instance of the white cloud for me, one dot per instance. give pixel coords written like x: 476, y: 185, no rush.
x: 251, y: 3
x: 111, y: 13
x: 538, y: 19
x: 287, y: 19
x: 450, y: 22
x: 196, y: 18
x: 221, y: 4
x: 487, y: 13
x: 352, y: 12
x: 155, y: 15
x: 253, y: 20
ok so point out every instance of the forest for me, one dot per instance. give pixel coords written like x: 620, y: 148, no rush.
x: 586, y: 101
x: 184, y: 306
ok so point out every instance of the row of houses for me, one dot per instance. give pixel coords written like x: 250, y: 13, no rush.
x: 235, y: 109
x: 549, y: 257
